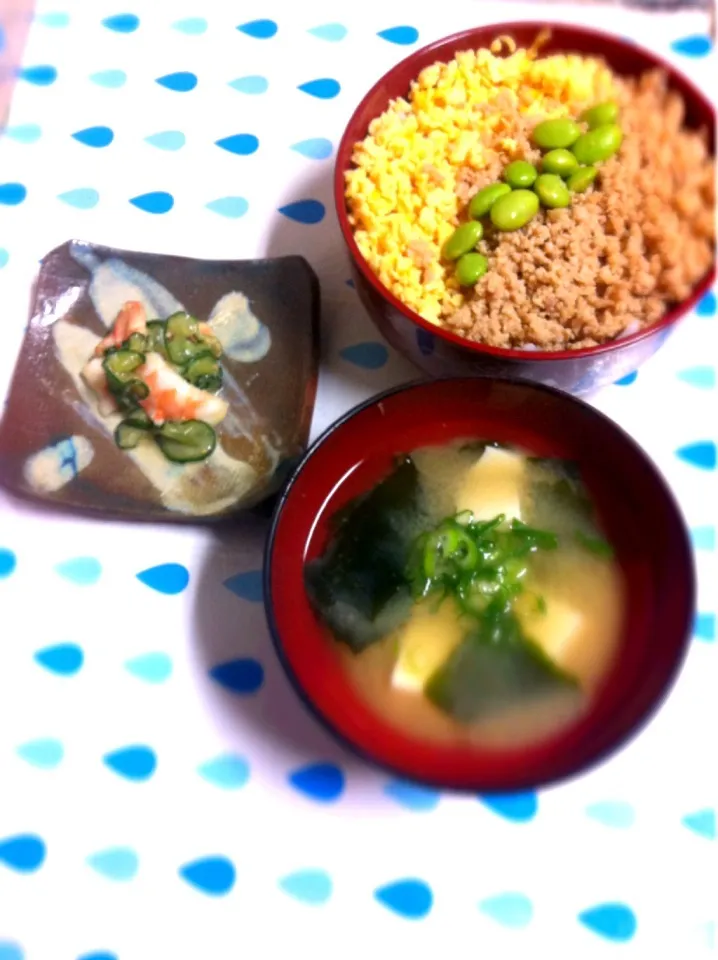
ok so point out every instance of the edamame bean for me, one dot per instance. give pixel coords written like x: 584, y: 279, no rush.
x: 561, y: 162
x: 484, y: 200
x: 552, y: 134
x: 552, y: 191
x: 520, y: 173
x: 600, y: 115
x: 514, y: 210
x: 463, y: 239
x: 598, y: 144
x: 470, y: 267
x: 581, y: 179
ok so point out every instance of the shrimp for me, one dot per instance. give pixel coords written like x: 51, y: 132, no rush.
x: 131, y: 319
x: 171, y: 397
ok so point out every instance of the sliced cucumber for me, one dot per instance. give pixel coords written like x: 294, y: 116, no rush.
x: 120, y: 366
x: 186, y: 441
x: 204, y: 372
x: 127, y: 436
x: 139, y: 419
x: 136, y: 342
x: 156, y: 337
x: 214, y: 344
x: 181, y: 325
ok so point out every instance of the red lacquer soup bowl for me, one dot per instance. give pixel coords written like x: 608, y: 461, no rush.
x: 635, y: 506
x: 441, y: 353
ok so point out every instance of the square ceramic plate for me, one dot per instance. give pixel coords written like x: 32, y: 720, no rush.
x: 56, y: 446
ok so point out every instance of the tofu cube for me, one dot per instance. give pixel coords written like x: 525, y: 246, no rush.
x: 493, y: 485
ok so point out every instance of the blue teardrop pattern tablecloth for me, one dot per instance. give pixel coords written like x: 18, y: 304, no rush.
x: 163, y: 794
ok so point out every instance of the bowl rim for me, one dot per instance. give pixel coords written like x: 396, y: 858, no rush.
x: 669, y: 319
x: 592, y: 761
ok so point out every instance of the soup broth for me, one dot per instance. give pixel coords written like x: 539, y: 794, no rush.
x: 472, y: 595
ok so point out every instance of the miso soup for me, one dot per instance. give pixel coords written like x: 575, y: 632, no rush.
x: 472, y: 595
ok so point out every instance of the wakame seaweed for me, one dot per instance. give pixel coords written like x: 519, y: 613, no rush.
x: 359, y: 586
x: 495, y: 666
x: 558, y: 491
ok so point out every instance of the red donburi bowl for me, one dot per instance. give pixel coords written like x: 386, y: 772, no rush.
x: 441, y: 353
x: 637, y: 510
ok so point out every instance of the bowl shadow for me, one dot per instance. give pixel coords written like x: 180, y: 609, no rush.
x: 344, y: 320
x: 227, y: 627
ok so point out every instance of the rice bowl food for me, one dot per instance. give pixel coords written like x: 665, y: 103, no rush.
x: 615, y: 222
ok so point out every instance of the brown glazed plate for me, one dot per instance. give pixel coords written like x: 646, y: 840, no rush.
x: 55, y: 446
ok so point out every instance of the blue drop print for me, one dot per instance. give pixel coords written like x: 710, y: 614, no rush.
x: 350, y: 283
x: 317, y: 148
x: 11, y: 194
x: 230, y: 207
x: 83, y: 198
x: 211, y: 875
x: 181, y: 82
x: 83, y: 571
x: 122, y: 22
x: 25, y: 852
x: 612, y: 813
x: 252, y: 84
x: 369, y: 356
x: 247, y: 585
x: 110, y: 79
x: 704, y: 627
x: 425, y: 342
x: 332, y: 32
x: 150, y: 667
x: 64, y: 659
x: 133, y: 763
x: 242, y: 144
x: 701, y: 454
x: 702, y: 377
x: 42, y: 75
x: 259, y: 29
x: 95, y: 136
x: 704, y: 538
x: 323, y: 782
x: 614, y: 921
x: 324, y: 88
x: 243, y: 677
x: 167, y: 578
x: 411, y: 899
x: 702, y: 822
x: 45, y: 754
x: 627, y: 380
x: 4, y: 257
x: 411, y: 796
x: 167, y: 140
x: 99, y: 955
x: 116, y: 863
x: 698, y: 45
x: 706, y: 306
x: 313, y: 887
x: 403, y: 36
x: 191, y: 26
x: 54, y: 19
x: 517, y: 807
x: 304, y: 211
x: 11, y: 951
x: 8, y: 562
x: 156, y: 202
x: 229, y: 771
x: 513, y: 910
x: 24, y: 133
